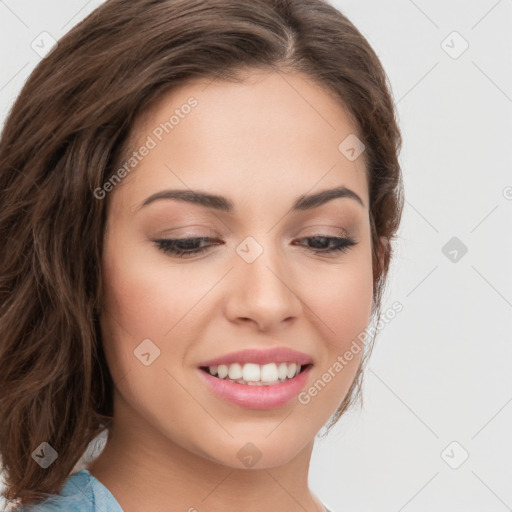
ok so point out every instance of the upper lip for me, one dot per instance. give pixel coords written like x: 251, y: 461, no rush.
x: 261, y: 356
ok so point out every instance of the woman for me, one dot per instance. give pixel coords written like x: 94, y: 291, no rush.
x: 198, y: 202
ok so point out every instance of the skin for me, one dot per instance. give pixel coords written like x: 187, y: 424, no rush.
x: 261, y: 143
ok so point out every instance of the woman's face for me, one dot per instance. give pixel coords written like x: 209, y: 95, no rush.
x: 265, y: 279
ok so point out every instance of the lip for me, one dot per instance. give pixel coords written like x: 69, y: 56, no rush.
x: 256, y: 397
x: 259, y: 356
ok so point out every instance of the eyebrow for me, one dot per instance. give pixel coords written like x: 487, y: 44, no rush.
x: 221, y: 203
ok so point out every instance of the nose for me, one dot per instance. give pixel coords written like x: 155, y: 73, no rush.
x: 262, y: 291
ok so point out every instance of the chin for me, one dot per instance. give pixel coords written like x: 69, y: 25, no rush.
x: 257, y: 452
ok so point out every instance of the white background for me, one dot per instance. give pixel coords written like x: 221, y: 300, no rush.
x: 440, y: 371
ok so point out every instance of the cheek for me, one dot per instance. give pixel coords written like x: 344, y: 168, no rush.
x: 143, y: 297
x: 147, y: 298
x: 143, y: 302
x: 342, y: 298
x: 343, y: 309
x: 342, y: 303
x: 134, y: 298
x: 351, y: 304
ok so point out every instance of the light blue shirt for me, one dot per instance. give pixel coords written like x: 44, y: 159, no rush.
x: 82, y: 492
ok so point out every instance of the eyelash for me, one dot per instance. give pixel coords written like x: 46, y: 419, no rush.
x: 168, y: 245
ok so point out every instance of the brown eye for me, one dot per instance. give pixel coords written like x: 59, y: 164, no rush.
x: 320, y: 243
x: 182, y: 247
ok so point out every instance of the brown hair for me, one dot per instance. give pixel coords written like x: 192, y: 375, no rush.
x: 64, y: 138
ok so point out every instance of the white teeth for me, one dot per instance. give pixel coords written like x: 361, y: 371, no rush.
x: 235, y: 371
x: 292, y: 369
x: 255, y: 374
x: 282, y: 371
x: 222, y: 371
x: 251, y: 372
x: 269, y: 373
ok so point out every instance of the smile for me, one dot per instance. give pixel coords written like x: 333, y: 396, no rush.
x: 256, y: 394
x: 253, y: 374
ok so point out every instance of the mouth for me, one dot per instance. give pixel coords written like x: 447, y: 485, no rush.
x: 241, y: 386
x: 257, y: 379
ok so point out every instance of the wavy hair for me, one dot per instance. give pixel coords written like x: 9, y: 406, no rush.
x: 64, y: 137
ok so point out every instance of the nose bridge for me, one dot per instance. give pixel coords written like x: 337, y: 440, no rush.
x: 264, y: 288
x: 263, y: 266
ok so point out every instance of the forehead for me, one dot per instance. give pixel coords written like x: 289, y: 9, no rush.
x: 268, y: 136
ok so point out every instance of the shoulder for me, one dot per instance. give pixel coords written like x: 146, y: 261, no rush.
x: 80, y: 493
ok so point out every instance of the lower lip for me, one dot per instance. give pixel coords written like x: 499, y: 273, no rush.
x: 256, y: 397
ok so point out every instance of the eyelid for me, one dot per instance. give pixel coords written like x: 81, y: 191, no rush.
x: 323, y: 230
x: 208, y: 232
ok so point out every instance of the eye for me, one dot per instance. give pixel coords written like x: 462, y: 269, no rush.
x: 341, y: 244
x: 182, y: 247
x: 186, y: 247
